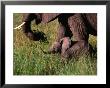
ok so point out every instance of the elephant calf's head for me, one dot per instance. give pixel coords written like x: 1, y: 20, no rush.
x: 66, y: 43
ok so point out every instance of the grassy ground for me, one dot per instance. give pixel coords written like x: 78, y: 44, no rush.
x: 30, y: 60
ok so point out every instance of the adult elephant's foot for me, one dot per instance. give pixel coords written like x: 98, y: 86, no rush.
x: 55, y: 48
x: 78, y: 49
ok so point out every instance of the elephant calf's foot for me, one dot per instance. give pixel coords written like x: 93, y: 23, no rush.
x: 55, y: 48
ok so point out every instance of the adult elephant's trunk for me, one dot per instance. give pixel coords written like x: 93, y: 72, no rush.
x: 38, y: 17
x: 28, y: 18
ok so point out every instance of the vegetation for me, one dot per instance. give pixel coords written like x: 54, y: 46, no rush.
x: 28, y: 58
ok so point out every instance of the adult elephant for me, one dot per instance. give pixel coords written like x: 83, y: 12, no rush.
x: 78, y: 25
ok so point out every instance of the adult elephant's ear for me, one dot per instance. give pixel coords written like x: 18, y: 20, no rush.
x: 47, y: 17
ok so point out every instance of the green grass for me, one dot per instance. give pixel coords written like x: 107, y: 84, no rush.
x: 30, y: 60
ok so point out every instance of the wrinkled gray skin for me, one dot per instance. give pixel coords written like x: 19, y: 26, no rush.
x: 78, y: 25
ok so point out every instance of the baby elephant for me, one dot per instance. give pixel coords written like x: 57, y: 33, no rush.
x: 66, y: 43
x: 61, y: 46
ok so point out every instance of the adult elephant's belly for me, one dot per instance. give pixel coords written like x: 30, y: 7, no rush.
x: 47, y: 17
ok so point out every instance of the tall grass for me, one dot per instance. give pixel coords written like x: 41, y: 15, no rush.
x: 28, y: 58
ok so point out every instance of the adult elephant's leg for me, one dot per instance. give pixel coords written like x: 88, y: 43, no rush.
x: 79, y: 48
x: 78, y: 27
x: 27, y: 18
x: 80, y: 35
x: 63, y: 31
